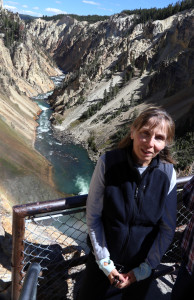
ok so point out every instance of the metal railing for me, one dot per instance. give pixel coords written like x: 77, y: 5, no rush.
x: 53, y: 234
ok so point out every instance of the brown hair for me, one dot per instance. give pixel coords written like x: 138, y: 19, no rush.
x: 158, y: 114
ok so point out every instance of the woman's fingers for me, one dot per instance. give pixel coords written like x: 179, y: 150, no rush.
x: 115, y: 278
x: 121, y: 280
x: 129, y: 279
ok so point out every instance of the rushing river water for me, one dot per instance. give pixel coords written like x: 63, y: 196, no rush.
x: 72, y: 167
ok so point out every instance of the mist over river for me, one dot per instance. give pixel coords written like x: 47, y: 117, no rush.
x: 72, y: 168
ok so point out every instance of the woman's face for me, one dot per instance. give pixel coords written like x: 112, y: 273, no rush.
x: 148, y: 142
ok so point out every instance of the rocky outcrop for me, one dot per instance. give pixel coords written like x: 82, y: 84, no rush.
x: 33, y: 67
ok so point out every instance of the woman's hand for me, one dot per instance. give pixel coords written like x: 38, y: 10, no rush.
x: 121, y: 281
x: 129, y: 279
x: 116, y: 278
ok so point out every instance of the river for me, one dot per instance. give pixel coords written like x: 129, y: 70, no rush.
x: 72, y: 168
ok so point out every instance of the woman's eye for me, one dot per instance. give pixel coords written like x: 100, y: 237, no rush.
x: 145, y: 133
x: 161, y: 138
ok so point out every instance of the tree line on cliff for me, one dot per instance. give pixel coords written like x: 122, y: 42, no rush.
x: 144, y: 14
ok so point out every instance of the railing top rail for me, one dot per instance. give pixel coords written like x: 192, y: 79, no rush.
x: 31, y: 209
x: 182, y: 180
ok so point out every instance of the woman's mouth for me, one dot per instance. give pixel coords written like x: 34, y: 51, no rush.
x: 146, y: 152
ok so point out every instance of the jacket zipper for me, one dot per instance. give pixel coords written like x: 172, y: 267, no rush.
x: 138, y: 200
x: 136, y: 196
x: 142, y: 183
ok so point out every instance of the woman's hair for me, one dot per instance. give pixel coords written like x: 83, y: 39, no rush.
x: 158, y: 115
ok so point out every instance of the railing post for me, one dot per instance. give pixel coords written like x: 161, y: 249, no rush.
x: 18, y: 231
x: 29, y: 290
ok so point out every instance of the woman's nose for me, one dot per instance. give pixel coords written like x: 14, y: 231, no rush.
x: 150, y: 141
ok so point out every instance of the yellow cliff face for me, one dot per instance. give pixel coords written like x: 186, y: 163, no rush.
x: 26, y: 176
x: 16, y: 108
x: 19, y: 113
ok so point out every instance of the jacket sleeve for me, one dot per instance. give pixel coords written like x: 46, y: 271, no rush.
x: 94, y: 208
x: 166, y: 231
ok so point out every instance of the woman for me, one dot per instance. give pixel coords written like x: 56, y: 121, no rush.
x: 131, y: 210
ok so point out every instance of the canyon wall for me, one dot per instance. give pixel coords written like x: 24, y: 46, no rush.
x: 116, y: 67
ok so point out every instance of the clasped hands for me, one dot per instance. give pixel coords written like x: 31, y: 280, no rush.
x: 121, y: 280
